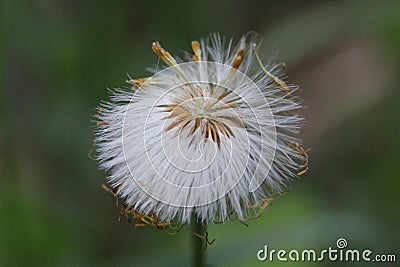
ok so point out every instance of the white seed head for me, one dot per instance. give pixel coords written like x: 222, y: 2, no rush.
x: 213, y: 136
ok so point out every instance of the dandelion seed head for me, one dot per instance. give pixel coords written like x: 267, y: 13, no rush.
x: 214, y: 136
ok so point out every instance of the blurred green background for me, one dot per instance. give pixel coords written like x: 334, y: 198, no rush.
x: 58, y: 59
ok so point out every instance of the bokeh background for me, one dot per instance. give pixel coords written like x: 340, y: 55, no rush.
x: 58, y: 59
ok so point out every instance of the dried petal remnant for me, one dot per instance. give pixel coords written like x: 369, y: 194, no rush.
x: 281, y: 83
x: 238, y: 59
x: 197, y: 51
x: 163, y: 54
x: 137, y: 83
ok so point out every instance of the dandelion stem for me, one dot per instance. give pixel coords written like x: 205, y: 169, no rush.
x: 198, y: 251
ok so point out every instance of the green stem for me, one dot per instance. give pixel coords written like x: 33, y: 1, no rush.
x: 198, y: 252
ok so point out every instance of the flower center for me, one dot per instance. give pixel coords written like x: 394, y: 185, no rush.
x: 208, y: 112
